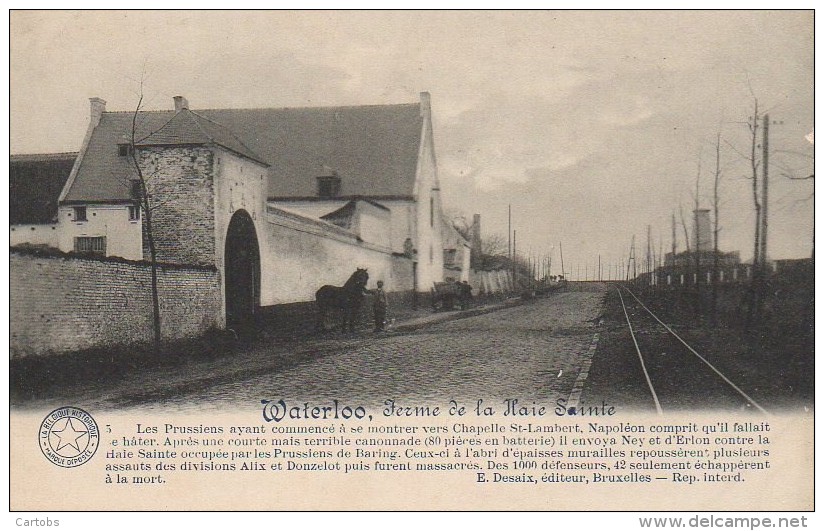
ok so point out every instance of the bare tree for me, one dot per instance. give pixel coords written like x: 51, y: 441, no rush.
x: 792, y: 175
x: 697, y: 242
x: 145, y: 201
x: 754, y: 303
x: 716, y: 229
x: 686, y: 229
x: 493, y: 245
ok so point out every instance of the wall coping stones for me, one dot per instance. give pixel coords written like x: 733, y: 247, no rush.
x: 50, y: 252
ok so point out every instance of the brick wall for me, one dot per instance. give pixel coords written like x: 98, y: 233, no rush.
x: 183, y: 220
x: 63, y: 303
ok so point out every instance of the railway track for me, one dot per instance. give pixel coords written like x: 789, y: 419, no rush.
x: 677, y: 375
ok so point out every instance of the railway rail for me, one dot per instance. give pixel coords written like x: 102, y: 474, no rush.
x: 675, y: 372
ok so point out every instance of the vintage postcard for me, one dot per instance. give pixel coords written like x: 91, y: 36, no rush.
x: 413, y: 261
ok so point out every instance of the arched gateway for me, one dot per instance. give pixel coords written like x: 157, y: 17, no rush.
x: 242, y: 273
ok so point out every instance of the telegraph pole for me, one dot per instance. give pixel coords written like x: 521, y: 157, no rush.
x: 509, y: 235
x: 514, y: 256
x: 634, y: 261
x: 649, y: 253
x: 561, y: 249
x: 673, y: 239
x: 764, y: 190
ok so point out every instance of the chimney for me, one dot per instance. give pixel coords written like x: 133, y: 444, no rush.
x: 702, y: 235
x: 98, y: 107
x: 181, y: 103
x: 426, y: 104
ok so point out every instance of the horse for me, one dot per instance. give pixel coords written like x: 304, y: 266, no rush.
x: 346, y: 300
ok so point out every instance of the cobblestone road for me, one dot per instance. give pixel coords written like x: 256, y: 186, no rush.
x: 531, y: 352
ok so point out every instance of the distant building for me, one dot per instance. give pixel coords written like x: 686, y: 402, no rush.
x: 702, y: 230
x: 686, y: 259
x: 456, y: 253
x: 680, y: 267
x: 35, y: 182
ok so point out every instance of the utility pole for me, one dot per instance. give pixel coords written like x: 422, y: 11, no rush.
x: 599, y: 268
x: 509, y: 235
x: 755, y: 291
x: 528, y: 263
x: 764, y: 190
x: 673, y: 239
x: 649, y: 253
x: 715, y: 275
x: 660, y: 258
x: 561, y: 249
x: 514, y: 257
x: 631, y: 258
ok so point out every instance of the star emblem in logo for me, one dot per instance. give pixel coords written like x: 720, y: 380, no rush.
x: 68, y: 435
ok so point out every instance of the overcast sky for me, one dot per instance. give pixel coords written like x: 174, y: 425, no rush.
x: 590, y: 124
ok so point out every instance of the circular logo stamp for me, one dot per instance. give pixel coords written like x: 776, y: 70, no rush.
x: 68, y: 436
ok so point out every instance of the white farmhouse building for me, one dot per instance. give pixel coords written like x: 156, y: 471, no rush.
x: 279, y: 201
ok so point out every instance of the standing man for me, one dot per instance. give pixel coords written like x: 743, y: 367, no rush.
x: 379, y: 306
x: 466, y: 294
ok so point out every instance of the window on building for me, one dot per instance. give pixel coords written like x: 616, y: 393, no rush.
x: 137, y: 189
x: 329, y: 186
x: 431, y: 211
x: 90, y: 244
x: 124, y: 150
x: 134, y: 213
x: 449, y: 257
x: 80, y: 214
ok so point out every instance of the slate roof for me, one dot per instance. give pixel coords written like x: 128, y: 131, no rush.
x: 342, y: 217
x: 189, y: 128
x: 373, y: 149
x: 104, y: 175
x: 35, y: 182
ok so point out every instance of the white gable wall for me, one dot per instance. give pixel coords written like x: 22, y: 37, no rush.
x: 123, y: 237
x: 429, y: 213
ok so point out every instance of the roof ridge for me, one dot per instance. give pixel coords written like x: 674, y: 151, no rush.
x: 141, y: 111
x: 54, y: 154
x: 200, y: 125
x: 364, y: 106
x: 225, y: 127
x: 152, y: 133
x: 193, y: 116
